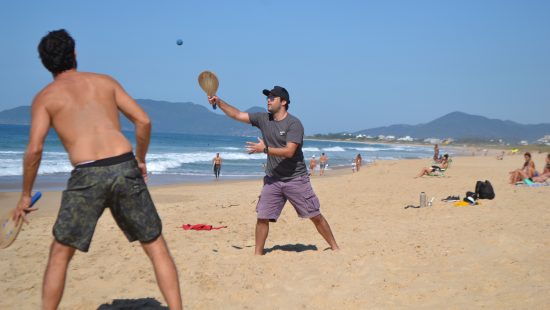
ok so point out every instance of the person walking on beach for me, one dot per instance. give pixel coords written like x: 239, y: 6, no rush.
x: 358, y: 162
x: 436, y: 153
x: 323, y: 161
x: 286, y: 172
x: 83, y: 110
x: 217, y: 165
x: 312, y: 165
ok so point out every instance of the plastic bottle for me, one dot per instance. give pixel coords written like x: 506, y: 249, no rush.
x: 422, y: 200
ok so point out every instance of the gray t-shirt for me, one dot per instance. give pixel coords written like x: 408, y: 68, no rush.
x: 277, y: 134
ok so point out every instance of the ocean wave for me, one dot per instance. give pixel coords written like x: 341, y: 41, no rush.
x: 334, y: 149
x: 165, y: 161
x: 311, y: 149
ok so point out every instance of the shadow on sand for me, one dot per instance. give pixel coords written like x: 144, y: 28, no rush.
x: 134, y: 304
x: 292, y: 248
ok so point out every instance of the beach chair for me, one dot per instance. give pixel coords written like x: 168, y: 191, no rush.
x: 441, y: 173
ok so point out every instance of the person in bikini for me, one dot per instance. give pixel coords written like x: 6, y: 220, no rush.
x: 217, y: 165
x: 435, y: 169
x: 539, y: 177
x: 312, y: 165
x: 525, y: 172
x: 83, y: 109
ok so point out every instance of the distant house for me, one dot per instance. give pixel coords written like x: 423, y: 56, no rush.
x: 544, y: 140
x: 523, y: 142
x: 406, y: 138
x: 432, y: 140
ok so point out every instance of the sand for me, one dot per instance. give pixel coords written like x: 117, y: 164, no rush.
x: 493, y: 256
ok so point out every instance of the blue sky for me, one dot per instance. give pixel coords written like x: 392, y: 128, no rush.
x: 348, y: 65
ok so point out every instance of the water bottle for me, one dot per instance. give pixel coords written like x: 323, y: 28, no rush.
x: 422, y: 200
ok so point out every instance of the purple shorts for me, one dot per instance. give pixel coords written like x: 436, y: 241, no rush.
x: 275, y: 193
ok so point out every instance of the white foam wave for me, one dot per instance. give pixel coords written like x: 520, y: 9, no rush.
x: 166, y: 161
x: 311, y: 149
x: 334, y: 149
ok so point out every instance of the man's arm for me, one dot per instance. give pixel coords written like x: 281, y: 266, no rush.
x: 229, y: 110
x: 40, y: 124
x: 128, y: 106
x: 287, y: 152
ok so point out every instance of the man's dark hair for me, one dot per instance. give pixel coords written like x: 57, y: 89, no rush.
x: 56, y: 51
x: 527, y: 154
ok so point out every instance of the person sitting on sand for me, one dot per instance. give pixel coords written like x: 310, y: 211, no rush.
x: 435, y: 169
x: 525, y: 172
x: 539, y: 177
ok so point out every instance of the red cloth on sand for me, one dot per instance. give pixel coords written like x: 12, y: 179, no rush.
x: 200, y: 227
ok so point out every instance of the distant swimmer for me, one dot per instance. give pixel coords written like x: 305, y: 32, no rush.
x: 323, y: 161
x: 217, y: 165
x: 286, y: 172
x: 83, y: 109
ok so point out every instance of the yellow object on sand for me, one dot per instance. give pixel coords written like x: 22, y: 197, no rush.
x: 463, y: 204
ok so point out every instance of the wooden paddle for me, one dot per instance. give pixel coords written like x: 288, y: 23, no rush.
x: 10, y: 229
x: 209, y: 83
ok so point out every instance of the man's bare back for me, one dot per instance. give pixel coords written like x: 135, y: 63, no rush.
x: 83, y: 109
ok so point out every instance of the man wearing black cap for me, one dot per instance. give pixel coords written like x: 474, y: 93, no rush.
x: 286, y: 173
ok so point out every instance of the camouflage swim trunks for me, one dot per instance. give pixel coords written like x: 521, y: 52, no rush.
x: 115, y: 183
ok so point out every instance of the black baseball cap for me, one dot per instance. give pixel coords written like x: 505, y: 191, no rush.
x: 278, y: 91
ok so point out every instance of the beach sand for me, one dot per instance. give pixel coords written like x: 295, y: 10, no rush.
x: 494, y: 256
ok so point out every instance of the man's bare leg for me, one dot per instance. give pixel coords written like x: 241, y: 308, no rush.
x: 165, y: 272
x: 55, y: 275
x: 262, y: 229
x: 324, y: 229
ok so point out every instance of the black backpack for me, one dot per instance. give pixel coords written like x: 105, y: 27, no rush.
x: 484, y: 190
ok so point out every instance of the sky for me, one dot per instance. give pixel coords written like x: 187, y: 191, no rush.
x: 348, y: 65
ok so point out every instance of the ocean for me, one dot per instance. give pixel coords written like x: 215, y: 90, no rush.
x: 176, y: 158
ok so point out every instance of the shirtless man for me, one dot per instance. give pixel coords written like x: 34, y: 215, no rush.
x: 323, y: 160
x: 217, y: 165
x: 83, y: 109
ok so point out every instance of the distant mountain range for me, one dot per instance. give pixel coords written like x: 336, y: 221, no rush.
x: 459, y: 125
x: 185, y: 117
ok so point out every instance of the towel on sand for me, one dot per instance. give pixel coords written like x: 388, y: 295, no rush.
x: 200, y: 227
